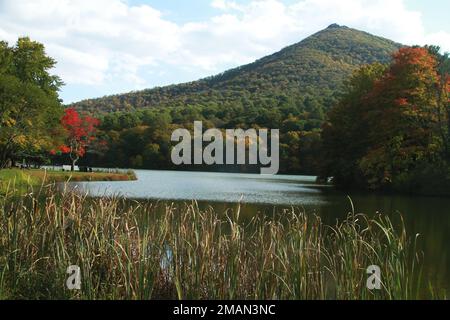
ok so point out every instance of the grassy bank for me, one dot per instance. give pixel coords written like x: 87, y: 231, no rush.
x: 128, y: 251
x: 22, y: 179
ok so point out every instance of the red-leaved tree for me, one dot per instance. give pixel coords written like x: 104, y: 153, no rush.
x: 80, y: 132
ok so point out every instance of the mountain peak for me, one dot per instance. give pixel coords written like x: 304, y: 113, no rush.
x: 335, y: 26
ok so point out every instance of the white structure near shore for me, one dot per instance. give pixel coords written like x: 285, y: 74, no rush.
x: 61, y: 168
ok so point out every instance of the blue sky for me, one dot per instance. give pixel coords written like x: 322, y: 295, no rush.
x: 435, y: 13
x: 113, y: 46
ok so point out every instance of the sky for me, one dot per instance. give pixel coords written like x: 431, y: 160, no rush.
x: 113, y: 46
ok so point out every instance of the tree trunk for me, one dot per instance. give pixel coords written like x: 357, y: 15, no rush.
x: 74, y: 161
x: 5, y: 157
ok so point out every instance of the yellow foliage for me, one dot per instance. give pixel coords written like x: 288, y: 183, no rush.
x: 9, y: 122
x: 20, y: 140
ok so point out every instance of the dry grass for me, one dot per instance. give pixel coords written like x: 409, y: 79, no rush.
x: 126, y: 250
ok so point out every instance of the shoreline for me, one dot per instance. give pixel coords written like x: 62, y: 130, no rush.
x: 23, y: 178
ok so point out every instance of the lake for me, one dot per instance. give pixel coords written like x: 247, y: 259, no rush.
x: 427, y: 216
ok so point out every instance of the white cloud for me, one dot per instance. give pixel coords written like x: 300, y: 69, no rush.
x: 105, y: 42
x: 93, y: 41
x: 441, y: 38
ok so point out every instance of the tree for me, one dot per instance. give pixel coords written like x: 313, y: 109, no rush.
x: 442, y: 91
x: 389, y: 122
x: 345, y: 135
x: 29, y: 102
x: 80, y: 131
x: 405, y: 118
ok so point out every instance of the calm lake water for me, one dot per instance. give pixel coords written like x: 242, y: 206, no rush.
x: 427, y: 216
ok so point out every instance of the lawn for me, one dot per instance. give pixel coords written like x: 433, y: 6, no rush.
x: 21, y: 179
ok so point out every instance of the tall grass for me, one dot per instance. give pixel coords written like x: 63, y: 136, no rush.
x: 127, y: 250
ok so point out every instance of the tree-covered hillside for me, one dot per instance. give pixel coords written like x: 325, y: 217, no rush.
x: 307, y: 74
x: 291, y: 90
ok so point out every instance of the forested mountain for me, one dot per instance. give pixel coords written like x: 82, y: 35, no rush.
x: 308, y: 74
x: 292, y: 90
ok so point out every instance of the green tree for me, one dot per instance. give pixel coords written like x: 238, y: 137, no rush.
x: 442, y: 91
x: 29, y: 103
x: 345, y: 138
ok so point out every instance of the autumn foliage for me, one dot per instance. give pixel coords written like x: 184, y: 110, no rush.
x: 80, y: 131
x: 391, y: 121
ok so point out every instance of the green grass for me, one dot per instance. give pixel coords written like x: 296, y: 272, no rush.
x: 129, y: 250
x: 20, y: 180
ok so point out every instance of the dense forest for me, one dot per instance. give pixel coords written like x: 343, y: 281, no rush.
x: 292, y: 90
